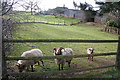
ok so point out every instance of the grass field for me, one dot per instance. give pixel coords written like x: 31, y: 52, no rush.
x: 43, y: 31
x: 51, y: 19
x: 81, y: 31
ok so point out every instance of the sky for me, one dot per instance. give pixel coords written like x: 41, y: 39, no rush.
x: 50, y: 4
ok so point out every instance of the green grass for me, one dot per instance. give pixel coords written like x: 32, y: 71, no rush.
x: 110, y: 73
x: 81, y: 31
x: 26, y: 17
x: 43, y: 31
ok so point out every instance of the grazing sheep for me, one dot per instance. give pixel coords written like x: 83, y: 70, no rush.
x: 22, y: 64
x: 90, y: 51
x: 63, y: 51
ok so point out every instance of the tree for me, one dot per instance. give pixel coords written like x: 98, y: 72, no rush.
x: 110, y: 7
x: 88, y: 9
x: 85, y: 6
x: 64, y: 6
x: 31, y: 5
x: 75, y: 4
x: 7, y: 6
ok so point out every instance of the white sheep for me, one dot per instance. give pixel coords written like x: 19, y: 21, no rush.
x: 90, y: 51
x: 22, y: 64
x: 63, y: 51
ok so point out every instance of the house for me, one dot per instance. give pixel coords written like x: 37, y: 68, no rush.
x: 78, y: 14
x: 50, y: 12
x: 60, y: 11
x: 57, y: 11
x: 97, y: 19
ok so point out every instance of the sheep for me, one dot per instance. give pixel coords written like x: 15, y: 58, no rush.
x: 22, y: 64
x: 90, y: 51
x: 62, y: 51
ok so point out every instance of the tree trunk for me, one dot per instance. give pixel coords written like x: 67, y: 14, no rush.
x: 119, y: 22
x: 31, y: 11
x: 118, y: 56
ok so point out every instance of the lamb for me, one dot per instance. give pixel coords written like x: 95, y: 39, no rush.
x: 90, y: 51
x: 62, y: 51
x: 22, y: 64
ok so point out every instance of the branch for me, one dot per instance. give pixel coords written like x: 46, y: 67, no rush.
x: 9, y: 8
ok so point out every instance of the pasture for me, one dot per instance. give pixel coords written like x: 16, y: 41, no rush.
x: 51, y: 19
x: 80, y: 31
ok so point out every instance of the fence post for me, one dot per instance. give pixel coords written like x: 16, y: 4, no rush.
x: 3, y: 67
x: 64, y: 22
x: 0, y: 42
x: 118, y: 56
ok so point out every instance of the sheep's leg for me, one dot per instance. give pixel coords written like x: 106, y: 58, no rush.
x: 38, y: 63
x: 32, y: 68
x: 69, y: 63
x: 27, y: 68
x: 59, y: 67
x: 42, y: 62
x: 88, y: 58
x: 92, y: 58
x: 62, y: 66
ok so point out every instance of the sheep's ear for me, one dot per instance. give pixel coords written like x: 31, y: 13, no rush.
x: 54, y: 49
x: 60, y: 50
x: 89, y: 49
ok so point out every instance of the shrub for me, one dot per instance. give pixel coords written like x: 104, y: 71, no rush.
x: 111, y: 23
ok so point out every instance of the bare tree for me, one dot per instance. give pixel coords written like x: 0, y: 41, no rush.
x: 7, y: 6
x: 30, y: 5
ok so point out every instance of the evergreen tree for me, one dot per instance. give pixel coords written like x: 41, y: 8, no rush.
x: 75, y: 4
x: 112, y: 7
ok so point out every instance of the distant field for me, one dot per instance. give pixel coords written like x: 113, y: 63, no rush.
x: 81, y: 31
x: 26, y: 17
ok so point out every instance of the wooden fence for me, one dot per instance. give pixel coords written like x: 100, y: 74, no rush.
x: 111, y: 30
x: 4, y: 58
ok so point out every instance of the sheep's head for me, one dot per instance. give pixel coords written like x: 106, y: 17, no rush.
x: 57, y: 51
x: 91, y: 50
x: 20, y: 67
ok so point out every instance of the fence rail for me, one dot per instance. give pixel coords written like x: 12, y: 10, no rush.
x: 61, y: 40
x: 53, y: 57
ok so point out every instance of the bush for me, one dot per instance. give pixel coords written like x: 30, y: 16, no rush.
x: 112, y: 23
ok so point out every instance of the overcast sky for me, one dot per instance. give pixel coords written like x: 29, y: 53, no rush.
x: 50, y: 4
